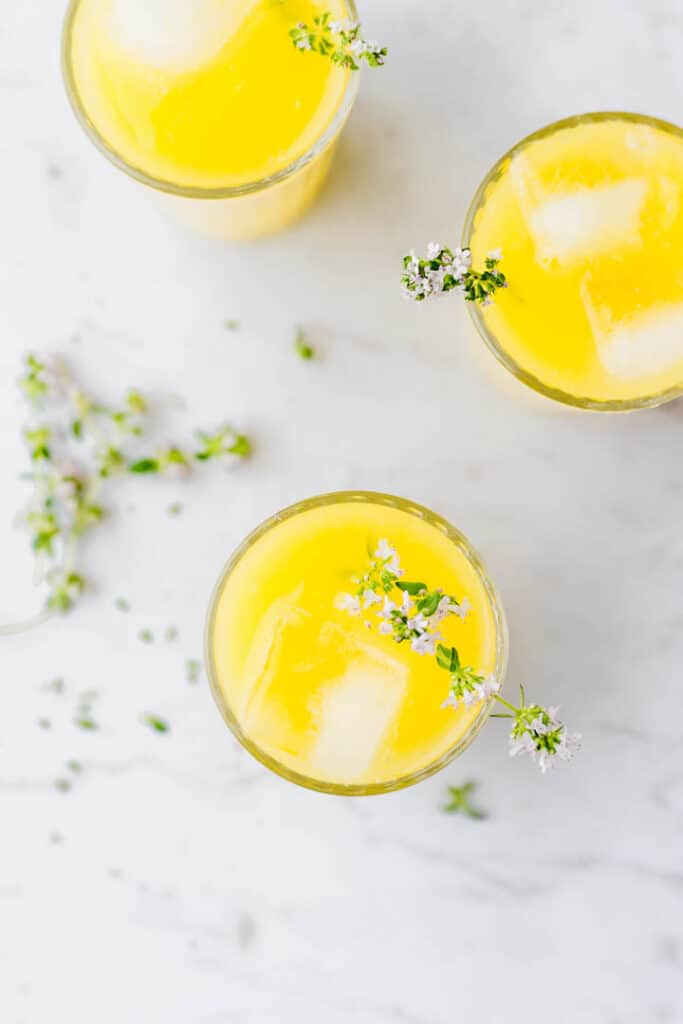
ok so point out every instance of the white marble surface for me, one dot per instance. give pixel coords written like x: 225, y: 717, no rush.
x: 189, y: 884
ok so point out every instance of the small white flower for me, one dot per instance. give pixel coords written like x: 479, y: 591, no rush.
x: 425, y: 643
x: 386, y: 628
x: 451, y: 701
x: 410, y: 291
x: 487, y: 687
x: 463, y: 257
x: 336, y: 26
x: 419, y: 623
x: 347, y: 603
x: 436, y: 280
x: 522, y: 745
x: 448, y: 607
x: 442, y: 611
x: 495, y: 254
x: 370, y: 598
x: 434, y: 250
x: 388, y: 555
x: 544, y: 760
x: 384, y: 550
x: 471, y: 697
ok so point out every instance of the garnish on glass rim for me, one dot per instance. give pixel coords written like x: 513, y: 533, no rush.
x: 341, y: 41
x: 409, y: 611
x: 444, y: 271
x: 76, y: 444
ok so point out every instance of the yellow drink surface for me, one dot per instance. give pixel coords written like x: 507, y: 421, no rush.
x: 590, y: 222
x: 203, y: 93
x: 310, y: 684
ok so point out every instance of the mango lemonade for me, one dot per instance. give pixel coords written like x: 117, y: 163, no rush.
x: 210, y: 99
x: 311, y: 690
x: 588, y: 214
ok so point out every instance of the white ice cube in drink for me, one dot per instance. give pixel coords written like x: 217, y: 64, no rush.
x: 356, y: 713
x: 571, y: 225
x: 175, y: 35
x: 647, y: 343
x: 261, y: 663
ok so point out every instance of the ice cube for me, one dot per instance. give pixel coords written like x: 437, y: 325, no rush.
x: 356, y: 713
x: 568, y: 226
x: 262, y: 657
x: 175, y: 35
x: 647, y: 343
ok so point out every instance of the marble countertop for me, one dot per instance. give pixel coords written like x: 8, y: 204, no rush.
x: 178, y: 881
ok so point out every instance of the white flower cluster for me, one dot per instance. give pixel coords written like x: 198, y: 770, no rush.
x: 416, y: 618
x: 468, y: 688
x: 538, y: 732
x: 341, y: 41
x: 349, y: 31
x: 344, y: 26
x: 365, y: 48
x: 389, y: 558
x: 422, y: 279
x: 444, y: 270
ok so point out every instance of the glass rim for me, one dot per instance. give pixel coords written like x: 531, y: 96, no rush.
x: 402, y: 781
x: 488, y: 336
x: 198, y: 191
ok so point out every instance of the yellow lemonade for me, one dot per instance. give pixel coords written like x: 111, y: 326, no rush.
x: 588, y: 214
x: 314, y: 692
x: 209, y: 99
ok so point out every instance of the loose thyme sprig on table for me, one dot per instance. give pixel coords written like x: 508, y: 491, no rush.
x: 459, y: 802
x: 412, y: 612
x: 76, y: 445
x: 444, y: 271
x: 341, y: 41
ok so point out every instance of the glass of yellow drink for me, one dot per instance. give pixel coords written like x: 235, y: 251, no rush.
x: 588, y: 213
x: 209, y: 103
x: 310, y: 690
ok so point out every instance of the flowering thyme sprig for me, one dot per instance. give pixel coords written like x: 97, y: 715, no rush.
x: 444, y: 270
x: 76, y: 445
x: 341, y: 41
x: 416, y: 618
x: 226, y: 445
x: 538, y: 731
x: 459, y: 802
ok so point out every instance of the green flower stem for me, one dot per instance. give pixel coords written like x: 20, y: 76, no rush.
x: 506, y: 703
